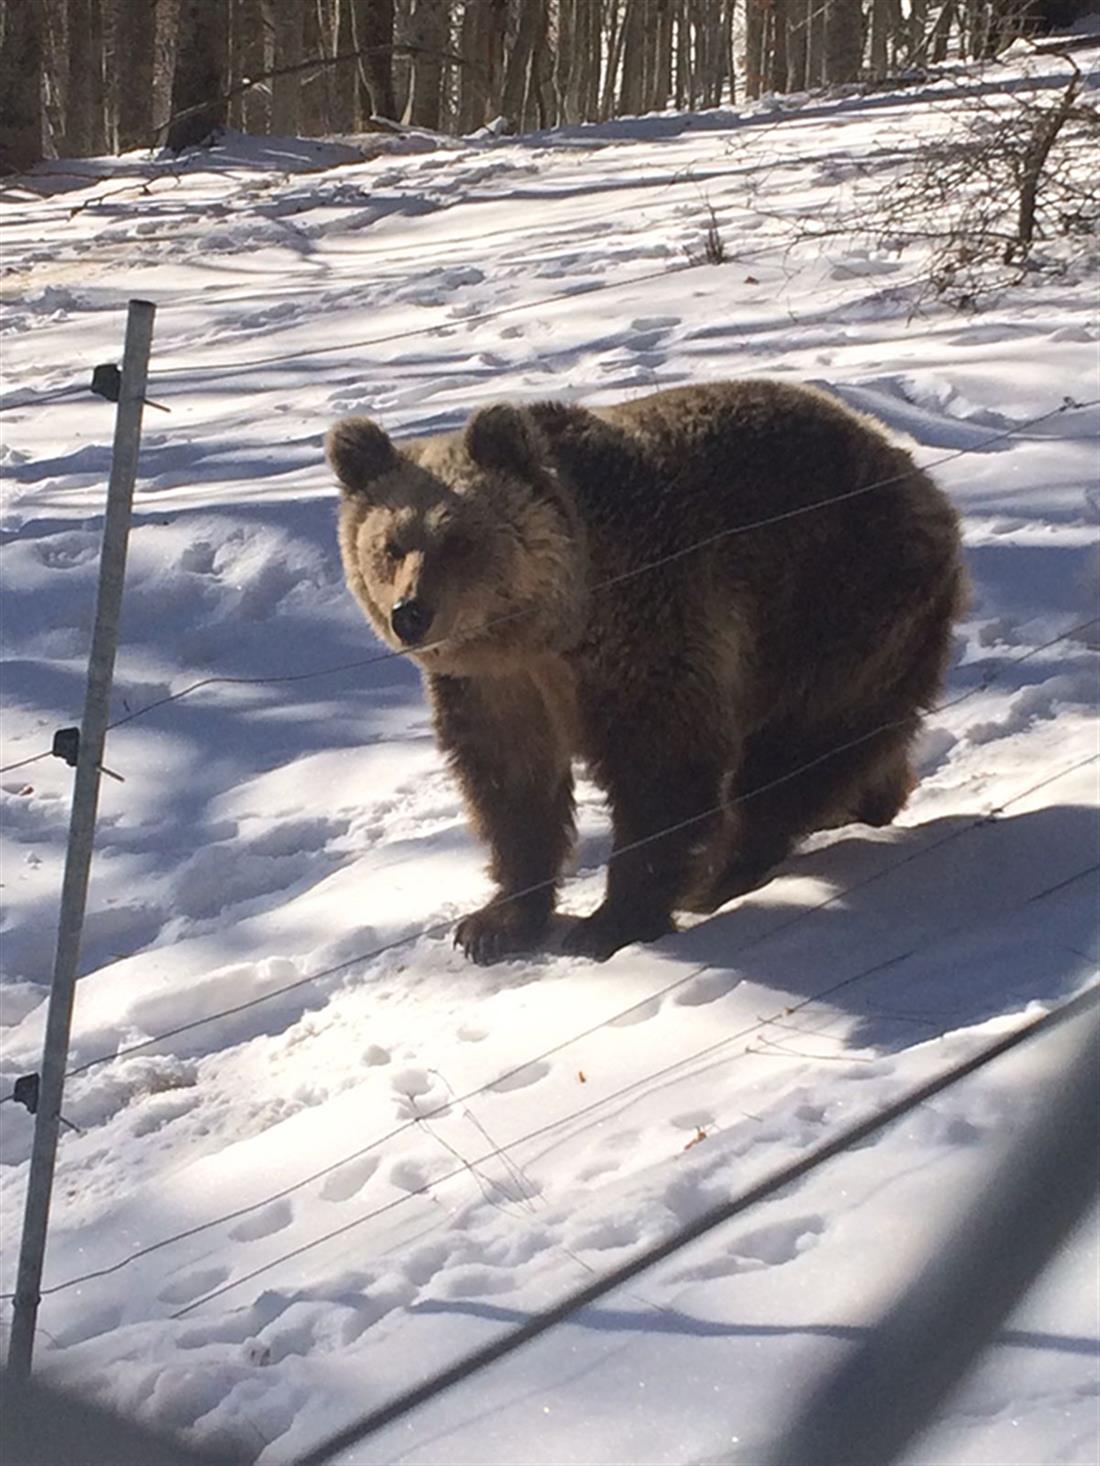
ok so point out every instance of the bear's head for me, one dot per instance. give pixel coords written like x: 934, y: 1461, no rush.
x: 464, y: 550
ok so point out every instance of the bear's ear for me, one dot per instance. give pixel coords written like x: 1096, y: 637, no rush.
x: 359, y: 452
x: 505, y: 439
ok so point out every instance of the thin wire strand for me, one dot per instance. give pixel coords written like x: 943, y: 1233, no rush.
x: 391, y: 654
x: 497, y: 1080
x: 439, y: 928
x: 200, y: 372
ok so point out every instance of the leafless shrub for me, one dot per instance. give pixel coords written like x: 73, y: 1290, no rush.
x: 1005, y: 192
x: 989, y: 198
x: 714, y: 248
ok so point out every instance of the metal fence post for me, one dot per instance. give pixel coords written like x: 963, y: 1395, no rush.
x: 101, y: 661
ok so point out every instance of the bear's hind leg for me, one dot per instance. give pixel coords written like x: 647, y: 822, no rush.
x: 663, y: 778
x: 788, y: 788
x: 883, y: 790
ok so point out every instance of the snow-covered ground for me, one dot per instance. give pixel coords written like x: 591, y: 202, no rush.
x: 375, y: 1160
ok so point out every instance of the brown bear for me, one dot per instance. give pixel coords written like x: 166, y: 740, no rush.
x: 731, y: 601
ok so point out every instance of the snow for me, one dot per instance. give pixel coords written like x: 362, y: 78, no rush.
x: 336, y: 1155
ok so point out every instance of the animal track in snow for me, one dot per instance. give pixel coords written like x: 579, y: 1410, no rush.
x: 409, y: 1175
x: 67, y: 551
x: 193, y: 1285
x: 349, y: 1179
x: 693, y: 1120
x: 423, y: 1263
x: 417, y: 1093
x: 89, y: 1325
x: 263, y: 1223
x: 780, y: 1242
x: 597, y: 1168
x: 521, y: 1079
x: 641, y: 1013
x: 654, y: 323
x: 412, y: 1082
x: 603, y: 1236
x: 708, y: 987
x: 199, y: 558
x: 471, y: 1281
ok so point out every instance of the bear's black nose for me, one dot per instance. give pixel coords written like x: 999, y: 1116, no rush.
x: 410, y: 620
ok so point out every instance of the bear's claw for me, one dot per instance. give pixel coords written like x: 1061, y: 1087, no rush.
x: 496, y: 931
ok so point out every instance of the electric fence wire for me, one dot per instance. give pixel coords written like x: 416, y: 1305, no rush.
x: 361, y: 663
x: 841, y: 895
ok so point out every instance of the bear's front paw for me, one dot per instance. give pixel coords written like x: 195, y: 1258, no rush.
x: 498, y: 929
x: 600, y: 935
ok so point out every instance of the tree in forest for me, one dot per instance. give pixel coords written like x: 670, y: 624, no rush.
x: 21, y: 79
x: 843, y: 58
x: 200, y: 74
x: 84, y: 76
x: 135, y: 53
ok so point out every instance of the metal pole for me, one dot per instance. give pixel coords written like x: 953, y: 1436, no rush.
x: 74, y: 890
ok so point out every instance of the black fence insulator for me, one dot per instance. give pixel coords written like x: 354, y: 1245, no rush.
x: 25, y: 1092
x: 66, y: 746
x: 107, y: 382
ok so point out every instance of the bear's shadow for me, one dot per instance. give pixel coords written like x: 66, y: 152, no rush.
x: 913, y: 930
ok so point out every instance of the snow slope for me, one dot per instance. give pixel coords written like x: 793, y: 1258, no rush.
x: 379, y: 1158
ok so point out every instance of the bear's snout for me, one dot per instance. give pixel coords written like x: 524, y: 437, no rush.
x: 410, y: 619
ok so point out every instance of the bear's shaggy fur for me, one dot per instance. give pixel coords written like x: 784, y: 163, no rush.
x: 731, y: 601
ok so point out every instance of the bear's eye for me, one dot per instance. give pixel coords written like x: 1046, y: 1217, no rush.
x: 394, y: 551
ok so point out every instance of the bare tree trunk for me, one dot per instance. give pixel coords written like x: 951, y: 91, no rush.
x: 778, y: 68
x: 135, y: 51
x: 473, y: 90
x: 815, y: 42
x: 532, y: 114
x: 700, y: 34
x: 346, y: 112
x: 797, y: 37
x: 881, y: 26
x: 592, y: 60
x: 374, y: 23
x: 286, y: 91
x: 200, y: 74
x: 84, y: 132
x: 843, y: 40
x: 427, y: 29
x: 614, y: 59
x: 972, y: 28
x: 21, y: 116
x: 661, y: 87
x: 754, y: 45
x: 719, y: 52
x: 631, y: 87
x: 941, y: 31
x: 314, y: 104
x: 482, y: 46
x: 916, y: 40
x: 249, y: 56
x: 542, y: 106
x: 565, y: 54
